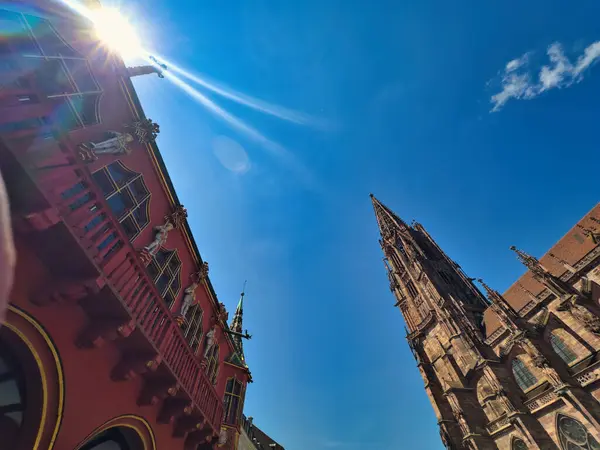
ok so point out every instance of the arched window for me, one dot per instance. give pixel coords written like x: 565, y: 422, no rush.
x: 165, y: 270
x: 573, y: 435
x: 212, y: 365
x: 60, y: 72
x: 561, y: 348
x: 192, y: 328
x: 518, y: 444
x: 127, y: 195
x: 12, y: 395
x: 525, y: 379
x: 233, y: 401
x: 115, y: 439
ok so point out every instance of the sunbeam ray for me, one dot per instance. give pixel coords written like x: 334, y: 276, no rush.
x: 249, y: 101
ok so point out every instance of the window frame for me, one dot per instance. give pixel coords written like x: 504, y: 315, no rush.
x: 562, y: 349
x: 61, y: 58
x: 524, y: 377
x: 176, y: 274
x: 118, y: 189
x: 212, y: 366
x: 228, y: 401
x: 194, y: 335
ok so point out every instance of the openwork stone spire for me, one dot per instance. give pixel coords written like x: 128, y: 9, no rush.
x: 389, y: 223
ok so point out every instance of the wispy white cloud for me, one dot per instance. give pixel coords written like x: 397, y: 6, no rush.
x: 520, y: 82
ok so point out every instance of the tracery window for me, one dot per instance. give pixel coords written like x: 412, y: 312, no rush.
x: 573, y: 435
x: 212, y: 365
x: 12, y: 394
x: 127, y: 196
x: 192, y: 329
x: 59, y: 71
x: 233, y: 401
x: 518, y: 444
x: 561, y: 348
x: 525, y: 379
x: 165, y: 270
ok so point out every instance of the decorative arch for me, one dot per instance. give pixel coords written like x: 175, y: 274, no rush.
x: 38, y: 371
x: 573, y: 435
x: 135, y: 430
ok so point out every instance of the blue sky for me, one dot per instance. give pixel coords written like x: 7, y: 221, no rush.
x: 405, y: 92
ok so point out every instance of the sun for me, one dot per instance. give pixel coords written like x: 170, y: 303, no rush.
x: 116, y: 32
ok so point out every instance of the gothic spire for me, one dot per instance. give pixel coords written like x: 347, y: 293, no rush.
x: 500, y: 306
x: 387, y: 220
x: 236, y: 323
x: 541, y: 274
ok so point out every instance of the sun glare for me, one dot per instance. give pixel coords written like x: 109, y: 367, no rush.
x: 115, y: 31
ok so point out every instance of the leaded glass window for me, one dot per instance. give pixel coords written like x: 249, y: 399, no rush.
x: 192, y: 328
x: 233, y: 401
x: 562, y: 349
x: 212, y: 366
x: 573, y: 435
x: 165, y: 270
x: 525, y: 379
x: 127, y: 196
x: 59, y: 71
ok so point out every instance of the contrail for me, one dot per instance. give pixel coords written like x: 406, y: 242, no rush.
x: 249, y: 101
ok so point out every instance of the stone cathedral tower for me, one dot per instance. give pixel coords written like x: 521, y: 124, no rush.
x: 498, y: 378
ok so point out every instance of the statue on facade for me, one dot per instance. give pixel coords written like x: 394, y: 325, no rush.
x: 222, y: 437
x: 222, y: 314
x: 117, y: 143
x: 188, y: 298
x: 173, y: 220
x: 160, y: 238
x: 210, y: 341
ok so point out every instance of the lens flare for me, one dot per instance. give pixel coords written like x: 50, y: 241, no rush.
x: 115, y: 31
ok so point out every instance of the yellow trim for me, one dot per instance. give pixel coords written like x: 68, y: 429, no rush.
x: 111, y: 424
x: 38, y: 360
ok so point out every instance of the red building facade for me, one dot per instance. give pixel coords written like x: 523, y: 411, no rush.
x: 114, y: 337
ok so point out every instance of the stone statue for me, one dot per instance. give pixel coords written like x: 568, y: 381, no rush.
x: 222, y: 437
x: 115, y: 144
x: 210, y: 341
x: 160, y: 238
x: 188, y: 298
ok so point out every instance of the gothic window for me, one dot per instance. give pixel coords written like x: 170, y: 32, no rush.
x: 12, y: 394
x: 518, y: 444
x: 573, y: 435
x: 410, y: 287
x: 193, y: 326
x: 165, y: 270
x: 232, y: 404
x: 127, y: 195
x: 59, y: 71
x: 525, y: 379
x: 561, y: 348
x: 212, y: 364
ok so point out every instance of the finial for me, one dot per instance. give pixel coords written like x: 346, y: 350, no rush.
x: 244, y: 288
x: 371, y: 195
x: 491, y: 293
x: 531, y: 262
